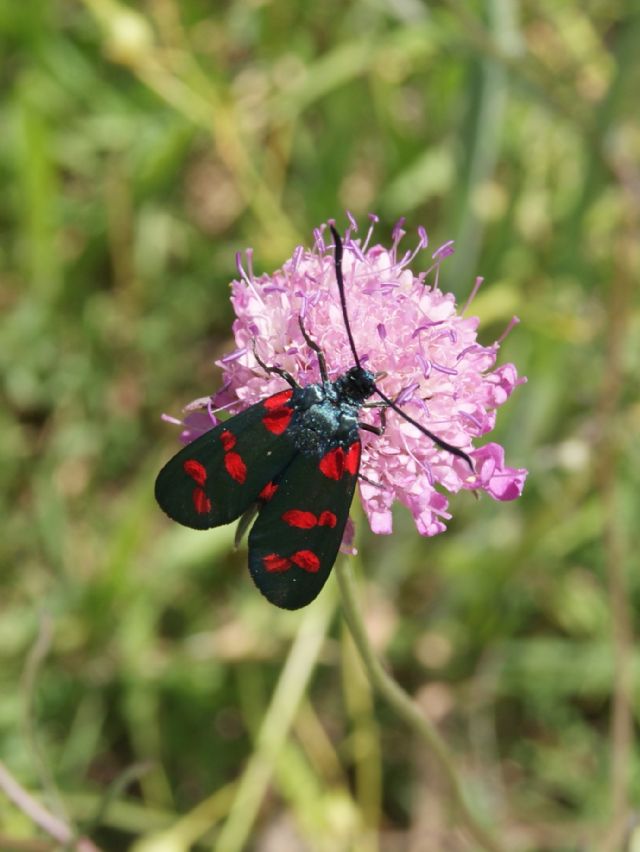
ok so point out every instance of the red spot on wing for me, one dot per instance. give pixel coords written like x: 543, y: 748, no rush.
x: 332, y: 463
x: 268, y: 491
x: 201, y: 502
x: 277, y: 420
x: 275, y: 564
x: 195, y: 470
x: 352, y: 458
x: 327, y: 519
x: 236, y: 468
x: 228, y: 440
x: 278, y: 400
x: 300, y: 519
x: 307, y: 560
x: 278, y: 413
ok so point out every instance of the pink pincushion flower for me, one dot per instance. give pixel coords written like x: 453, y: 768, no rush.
x: 402, y: 326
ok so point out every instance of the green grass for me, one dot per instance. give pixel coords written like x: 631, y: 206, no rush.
x: 141, y: 147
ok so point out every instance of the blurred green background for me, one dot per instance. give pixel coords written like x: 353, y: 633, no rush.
x: 141, y: 147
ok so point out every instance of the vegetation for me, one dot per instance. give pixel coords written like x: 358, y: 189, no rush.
x: 150, y: 698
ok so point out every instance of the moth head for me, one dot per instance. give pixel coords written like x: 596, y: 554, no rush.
x: 357, y: 384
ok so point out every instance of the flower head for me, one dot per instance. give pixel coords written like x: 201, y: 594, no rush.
x: 404, y: 326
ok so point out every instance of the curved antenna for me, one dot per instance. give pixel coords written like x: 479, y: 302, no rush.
x: 343, y: 302
x: 455, y: 451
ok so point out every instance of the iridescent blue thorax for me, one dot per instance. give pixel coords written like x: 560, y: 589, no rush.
x: 326, y: 414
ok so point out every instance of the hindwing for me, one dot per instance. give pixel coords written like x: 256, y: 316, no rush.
x: 295, y: 540
x: 214, y: 479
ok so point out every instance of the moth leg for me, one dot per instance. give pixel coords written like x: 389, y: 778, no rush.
x: 369, y: 481
x: 277, y: 370
x: 368, y: 427
x: 377, y: 430
x: 322, y: 364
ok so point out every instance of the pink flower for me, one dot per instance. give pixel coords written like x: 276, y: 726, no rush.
x: 402, y: 324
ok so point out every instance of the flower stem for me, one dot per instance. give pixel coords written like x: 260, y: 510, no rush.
x: 611, y: 458
x: 40, y: 816
x: 406, y: 708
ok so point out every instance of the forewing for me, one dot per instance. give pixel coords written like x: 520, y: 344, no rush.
x: 295, y: 541
x: 218, y: 476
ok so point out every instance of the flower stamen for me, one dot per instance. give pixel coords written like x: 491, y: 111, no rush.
x: 472, y: 294
x: 512, y: 323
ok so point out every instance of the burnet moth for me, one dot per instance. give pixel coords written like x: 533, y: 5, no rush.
x: 293, y: 460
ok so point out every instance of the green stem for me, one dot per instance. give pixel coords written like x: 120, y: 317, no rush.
x: 406, y: 708
x: 276, y: 726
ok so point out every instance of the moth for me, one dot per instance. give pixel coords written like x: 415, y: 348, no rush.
x: 292, y: 462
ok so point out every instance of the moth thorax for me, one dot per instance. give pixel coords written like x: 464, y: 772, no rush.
x: 356, y: 384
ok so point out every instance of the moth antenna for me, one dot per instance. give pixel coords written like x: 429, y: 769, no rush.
x: 456, y: 451
x: 343, y: 301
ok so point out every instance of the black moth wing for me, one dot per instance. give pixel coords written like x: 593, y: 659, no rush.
x: 295, y: 540
x: 217, y: 477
